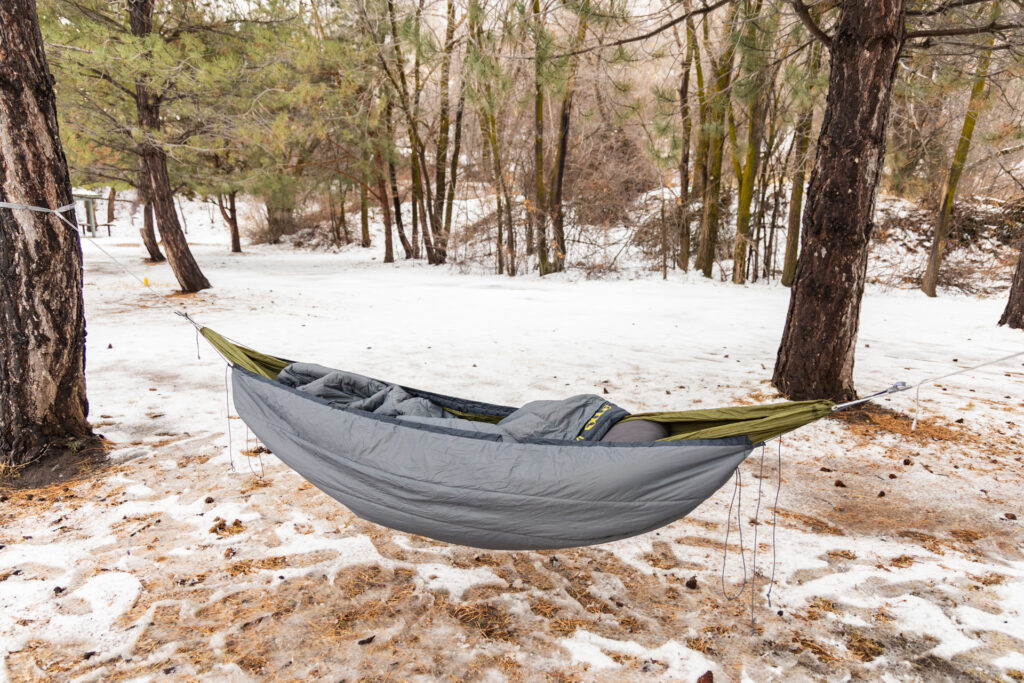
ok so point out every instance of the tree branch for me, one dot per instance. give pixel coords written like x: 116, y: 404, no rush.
x: 706, y: 9
x: 992, y: 27
x: 944, y: 7
x: 804, y: 14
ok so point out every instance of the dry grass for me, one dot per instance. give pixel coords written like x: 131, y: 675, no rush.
x: 818, y: 650
x: 223, y: 529
x: 902, y: 562
x: 867, y: 421
x: 842, y: 554
x: 492, y: 622
x: 863, y: 648
x: 566, y: 626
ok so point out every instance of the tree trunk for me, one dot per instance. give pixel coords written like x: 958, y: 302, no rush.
x: 539, y: 199
x: 754, y: 39
x: 364, y: 217
x: 683, y: 258
x: 229, y: 212
x: 718, y: 106
x: 941, y: 236
x: 343, y: 217
x: 796, y: 197
x: 444, y: 127
x: 111, y: 198
x: 42, y: 318
x: 557, y: 263
x: 453, y: 171
x: 183, y: 264
x: 382, y: 190
x: 1013, y: 314
x: 148, y: 230
x: 556, y: 209
x: 746, y: 192
x: 816, y: 355
x: 393, y: 179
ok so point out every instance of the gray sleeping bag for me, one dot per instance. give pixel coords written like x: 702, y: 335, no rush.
x: 586, y: 417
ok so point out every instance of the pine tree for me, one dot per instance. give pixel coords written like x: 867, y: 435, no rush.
x: 42, y: 319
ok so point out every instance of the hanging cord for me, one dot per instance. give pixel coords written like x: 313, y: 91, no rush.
x: 931, y: 380
x: 903, y: 386
x: 227, y: 404
x: 737, y: 498
x: 248, y: 456
x: 59, y: 213
x: 753, y: 561
x: 775, y: 522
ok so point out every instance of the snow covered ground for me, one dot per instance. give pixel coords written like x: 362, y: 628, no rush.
x: 174, y: 564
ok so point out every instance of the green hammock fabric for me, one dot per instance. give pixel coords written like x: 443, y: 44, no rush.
x: 758, y: 422
x: 244, y: 357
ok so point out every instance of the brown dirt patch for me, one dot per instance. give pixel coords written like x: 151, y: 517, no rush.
x: 865, y: 422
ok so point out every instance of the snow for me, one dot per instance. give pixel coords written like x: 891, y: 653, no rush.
x: 933, y: 571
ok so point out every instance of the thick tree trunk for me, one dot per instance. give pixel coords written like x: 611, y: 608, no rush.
x: 816, y: 354
x: 42, y: 319
x: 1013, y: 314
x: 186, y: 270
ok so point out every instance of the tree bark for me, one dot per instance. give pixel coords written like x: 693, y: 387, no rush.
x: 186, y: 270
x: 382, y: 190
x: 111, y: 198
x: 683, y: 257
x: 718, y: 106
x: 453, y: 171
x: 42, y: 318
x: 393, y: 179
x: 229, y: 213
x: 796, y: 197
x: 364, y: 217
x: 148, y: 230
x: 1013, y: 314
x: 816, y: 355
x: 754, y: 38
x: 539, y: 199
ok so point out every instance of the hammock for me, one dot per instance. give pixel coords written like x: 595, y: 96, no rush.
x: 476, y: 489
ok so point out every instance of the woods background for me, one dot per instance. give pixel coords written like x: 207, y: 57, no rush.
x: 694, y: 143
